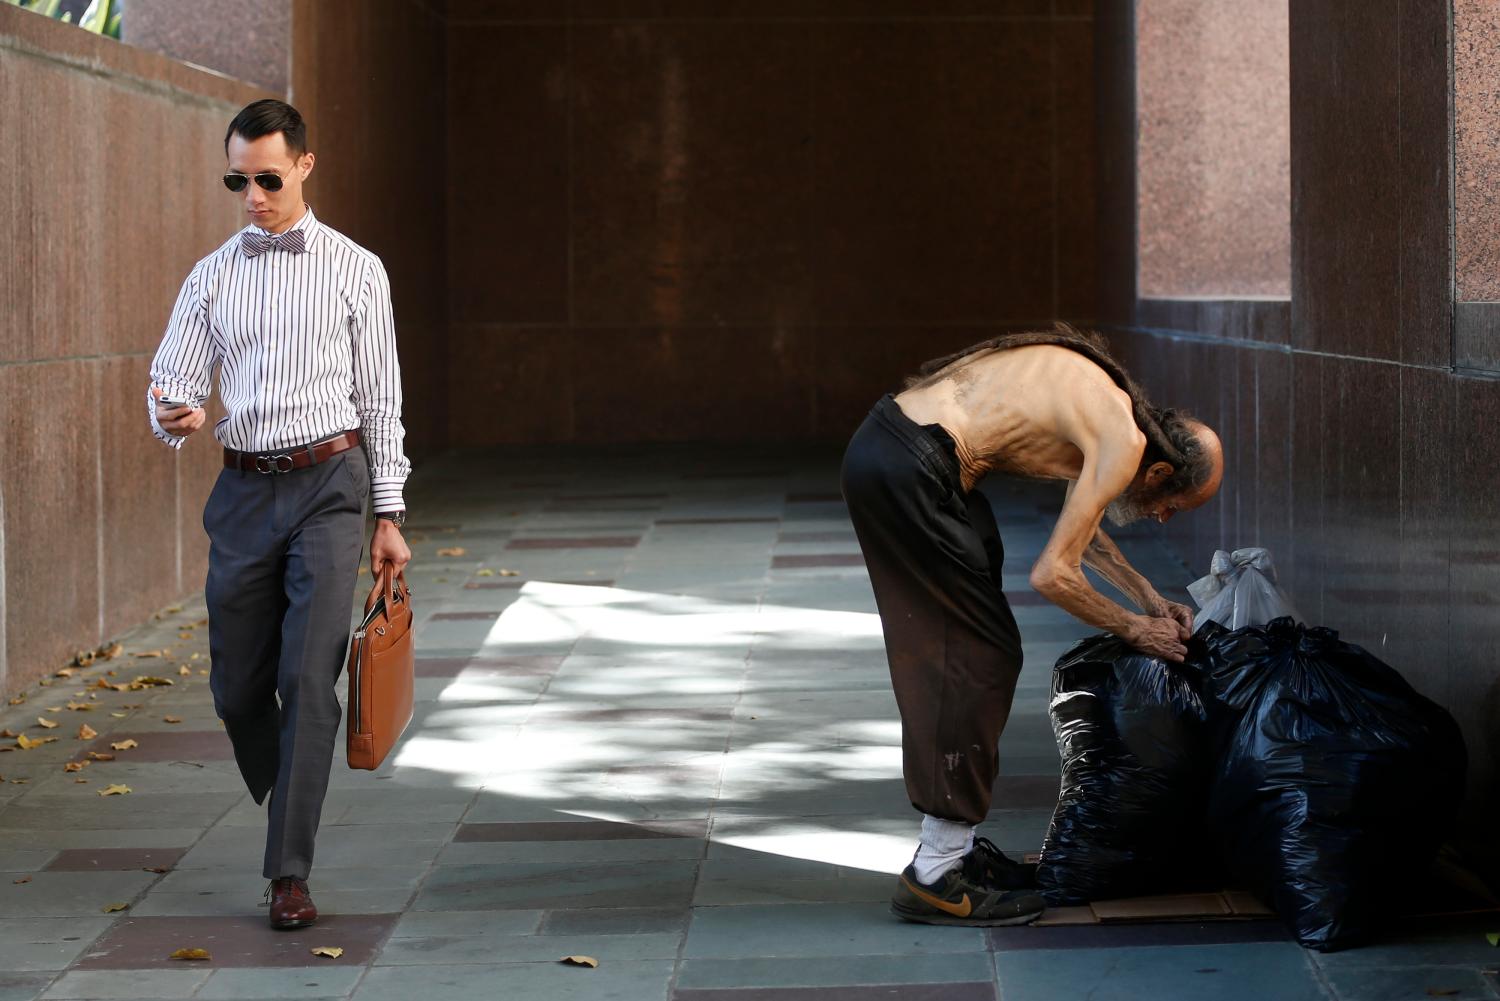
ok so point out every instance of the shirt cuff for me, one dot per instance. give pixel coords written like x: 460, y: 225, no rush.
x: 173, y: 440
x: 385, y: 493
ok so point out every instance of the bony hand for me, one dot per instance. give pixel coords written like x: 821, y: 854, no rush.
x: 387, y: 546
x: 1181, y: 614
x: 179, y: 421
x: 1159, y: 637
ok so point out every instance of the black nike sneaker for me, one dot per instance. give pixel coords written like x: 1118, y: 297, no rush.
x: 1002, y: 871
x: 964, y: 896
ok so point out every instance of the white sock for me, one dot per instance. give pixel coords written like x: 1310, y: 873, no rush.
x: 944, y: 843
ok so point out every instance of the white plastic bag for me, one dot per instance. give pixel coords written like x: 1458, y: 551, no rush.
x: 1240, y: 590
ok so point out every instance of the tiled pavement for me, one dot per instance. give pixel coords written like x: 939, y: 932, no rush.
x: 667, y: 743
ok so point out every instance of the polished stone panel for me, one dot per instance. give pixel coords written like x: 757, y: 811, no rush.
x: 691, y: 160
x: 146, y: 497
x: 247, y: 41
x: 1213, y: 163
x: 509, y: 172
x: 1476, y: 212
x: 666, y: 383
x: 1361, y: 428
x: 51, y: 496
x: 955, y: 225
x: 1370, y: 134
x: 528, y: 367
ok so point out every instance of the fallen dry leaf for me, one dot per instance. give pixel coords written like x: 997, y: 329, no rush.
x: 115, y: 790
x: 184, y: 636
x: 45, y: 682
x: 190, y: 954
x: 484, y: 573
x: 112, y: 908
x: 75, y: 766
x: 330, y: 951
x: 509, y: 573
x: 83, y: 659
x: 6, y: 733
x: 174, y: 609
x: 110, y: 652
x: 101, y: 683
x: 171, y: 719
x: 18, y: 699
x: 20, y: 782
x: 452, y: 551
x: 202, y: 670
x: 201, y: 622
x: 82, y: 707
x: 82, y: 782
x: 23, y: 879
x: 148, y: 653
x: 50, y: 724
x: 147, y: 681
x: 184, y: 670
x: 100, y: 756
x: 196, y: 656
x: 86, y: 732
x: 156, y: 869
x: 26, y: 743
x: 588, y: 961
x: 125, y: 745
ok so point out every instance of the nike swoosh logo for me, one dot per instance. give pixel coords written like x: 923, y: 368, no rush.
x: 959, y: 910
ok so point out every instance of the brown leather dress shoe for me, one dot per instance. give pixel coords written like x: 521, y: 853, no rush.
x: 291, y: 903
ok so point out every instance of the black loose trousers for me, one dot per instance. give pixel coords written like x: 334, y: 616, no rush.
x: 934, y: 554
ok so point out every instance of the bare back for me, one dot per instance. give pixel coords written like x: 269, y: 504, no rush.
x: 1039, y: 411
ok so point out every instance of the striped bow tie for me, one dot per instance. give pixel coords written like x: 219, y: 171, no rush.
x: 254, y: 243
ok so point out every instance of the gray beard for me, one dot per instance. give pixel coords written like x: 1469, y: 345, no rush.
x: 1124, y: 510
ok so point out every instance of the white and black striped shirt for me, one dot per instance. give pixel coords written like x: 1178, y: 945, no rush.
x: 306, y: 348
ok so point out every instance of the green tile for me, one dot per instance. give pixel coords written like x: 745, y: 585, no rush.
x: 304, y: 984
x: 23, y: 986
x: 107, y: 985
x: 858, y: 929
x: 1241, y: 972
x: 835, y: 971
x: 619, y: 981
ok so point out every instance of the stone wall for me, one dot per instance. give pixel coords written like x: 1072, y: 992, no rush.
x: 109, y: 193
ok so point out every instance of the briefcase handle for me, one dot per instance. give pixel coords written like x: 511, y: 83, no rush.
x: 391, y: 585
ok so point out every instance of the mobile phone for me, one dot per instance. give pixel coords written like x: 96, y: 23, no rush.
x: 168, y: 403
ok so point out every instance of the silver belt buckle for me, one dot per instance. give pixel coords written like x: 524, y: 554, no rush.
x: 272, y: 463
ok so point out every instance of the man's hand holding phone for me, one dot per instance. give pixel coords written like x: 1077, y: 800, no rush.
x: 178, y: 417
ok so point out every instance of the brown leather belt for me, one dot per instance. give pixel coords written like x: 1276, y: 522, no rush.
x: 298, y: 457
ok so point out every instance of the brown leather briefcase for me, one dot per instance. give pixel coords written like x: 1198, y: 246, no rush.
x: 380, y: 673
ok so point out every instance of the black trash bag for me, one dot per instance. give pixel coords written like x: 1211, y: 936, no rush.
x: 1136, y: 762
x: 1336, y: 782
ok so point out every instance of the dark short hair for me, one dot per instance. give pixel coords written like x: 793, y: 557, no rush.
x: 266, y: 118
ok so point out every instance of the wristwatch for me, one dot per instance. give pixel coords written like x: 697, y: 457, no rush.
x: 397, y: 518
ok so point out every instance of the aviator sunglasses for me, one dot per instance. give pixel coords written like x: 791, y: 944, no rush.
x: 269, y: 180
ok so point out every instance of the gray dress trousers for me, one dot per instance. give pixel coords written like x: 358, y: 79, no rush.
x: 283, y: 561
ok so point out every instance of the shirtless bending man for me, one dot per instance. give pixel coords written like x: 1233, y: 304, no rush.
x: 1052, y: 405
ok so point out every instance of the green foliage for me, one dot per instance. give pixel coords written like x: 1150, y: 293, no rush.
x: 102, y: 17
x: 96, y: 16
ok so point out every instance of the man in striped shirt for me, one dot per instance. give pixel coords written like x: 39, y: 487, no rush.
x: 297, y: 317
